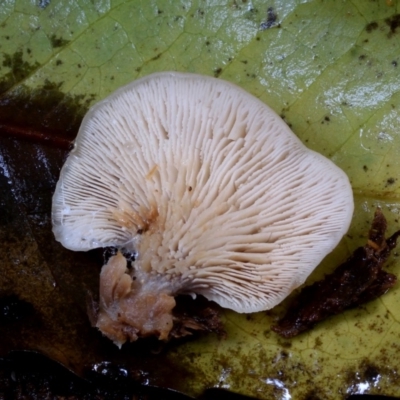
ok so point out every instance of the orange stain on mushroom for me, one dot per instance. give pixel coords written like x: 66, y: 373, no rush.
x: 140, y: 220
x: 152, y: 172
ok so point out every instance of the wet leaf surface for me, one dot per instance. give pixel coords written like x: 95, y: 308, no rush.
x: 330, y: 69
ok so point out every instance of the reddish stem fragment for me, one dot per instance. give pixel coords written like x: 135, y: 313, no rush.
x: 34, y: 136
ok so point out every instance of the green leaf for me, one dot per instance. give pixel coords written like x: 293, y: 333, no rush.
x: 330, y: 69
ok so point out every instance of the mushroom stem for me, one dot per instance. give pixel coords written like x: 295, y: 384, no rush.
x: 128, y: 309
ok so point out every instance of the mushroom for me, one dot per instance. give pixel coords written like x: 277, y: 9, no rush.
x: 210, y: 190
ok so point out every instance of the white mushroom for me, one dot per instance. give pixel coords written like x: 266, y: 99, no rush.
x: 210, y: 189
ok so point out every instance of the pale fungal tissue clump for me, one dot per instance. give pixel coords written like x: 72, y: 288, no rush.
x: 209, y: 188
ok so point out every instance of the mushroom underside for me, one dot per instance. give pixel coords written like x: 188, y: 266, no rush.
x: 209, y: 188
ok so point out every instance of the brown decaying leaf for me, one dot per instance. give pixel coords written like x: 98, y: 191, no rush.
x: 37, y: 272
x: 358, y: 280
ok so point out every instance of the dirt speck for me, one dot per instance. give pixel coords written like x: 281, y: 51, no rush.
x: 271, y: 20
x: 390, y: 181
x: 58, y: 41
x: 372, y: 26
x: 157, y: 57
x: 393, y: 23
x: 217, y: 72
